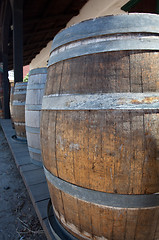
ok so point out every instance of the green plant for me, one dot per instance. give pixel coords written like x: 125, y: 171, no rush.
x: 26, y: 78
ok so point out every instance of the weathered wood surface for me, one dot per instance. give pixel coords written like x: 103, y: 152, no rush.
x: 111, y: 149
x: 18, y: 109
x: 86, y: 220
x: 35, y: 91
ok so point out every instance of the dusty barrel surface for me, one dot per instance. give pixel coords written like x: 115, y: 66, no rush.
x: 100, y: 128
x: 35, y: 91
x: 18, y: 109
x: 1, y: 95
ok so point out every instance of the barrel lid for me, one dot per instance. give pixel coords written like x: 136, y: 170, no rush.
x: 38, y: 71
x: 127, y: 23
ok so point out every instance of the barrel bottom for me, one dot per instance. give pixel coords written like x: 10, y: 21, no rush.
x: 20, y: 130
x: 57, y: 229
x: 86, y: 220
x: 12, y: 122
x: 36, y: 162
x: 35, y: 156
x: 19, y: 139
x: 33, y: 139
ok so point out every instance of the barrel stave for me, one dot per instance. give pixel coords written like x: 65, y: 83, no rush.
x: 48, y: 120
x: 33, y: 117
x: 18, y: 113
x: 122, y: 71
x: 103, y: 222
x: 113, y: 150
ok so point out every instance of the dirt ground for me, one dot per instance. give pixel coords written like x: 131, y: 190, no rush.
x: 18, y: 219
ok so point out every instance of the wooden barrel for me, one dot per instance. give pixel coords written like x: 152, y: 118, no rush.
x: 18, y: 109
x: 100, y: 128
x: 1, y: 96
x: 11, y: 104
x: 35, y: 91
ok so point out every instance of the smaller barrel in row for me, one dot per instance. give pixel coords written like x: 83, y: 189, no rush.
x: 18, y: 109
x: 25, y: 108
x: 35, y: 91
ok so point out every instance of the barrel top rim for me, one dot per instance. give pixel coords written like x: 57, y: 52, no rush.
x: 65, y: 35
x: 35, y: 71
x: 20, y: 83
x: 108, y: 16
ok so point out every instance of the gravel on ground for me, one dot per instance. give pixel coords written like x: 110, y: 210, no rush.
x: 18, y: 219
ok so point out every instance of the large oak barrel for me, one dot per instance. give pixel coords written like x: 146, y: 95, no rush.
x: 18, y: 109
x: 100, y: 128
x: 35, y: 91
x: 1, y: 95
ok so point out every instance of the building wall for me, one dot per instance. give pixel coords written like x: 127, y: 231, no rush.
x: 25, y: 70
x: 92, y: 9
x: 42, y: 58
x: 11, y: 73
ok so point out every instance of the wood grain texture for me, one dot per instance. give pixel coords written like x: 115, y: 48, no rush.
x: 108, y: 150
x: 116, y: 150
x: 123, y: 71
x: 91, y: 221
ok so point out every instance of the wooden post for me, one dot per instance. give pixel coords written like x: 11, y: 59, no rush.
x: 17, y: 12
x: 5, y: 36
x: 157, y: 6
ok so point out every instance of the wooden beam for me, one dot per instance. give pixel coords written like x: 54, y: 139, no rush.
x: 127, y: 7
x: 1, y: 23
x: 17, y: 12
x: 39, y: 32
x: 157, y: 6
x: 38, y: 42
x: 49, y: 19
x: 5, y: 37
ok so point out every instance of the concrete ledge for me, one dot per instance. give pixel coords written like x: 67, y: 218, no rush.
x: 33, y: 177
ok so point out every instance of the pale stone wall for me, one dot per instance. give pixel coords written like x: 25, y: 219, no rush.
x: 41, y: 59
x: 98, y: 8
x: 92, y: 9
